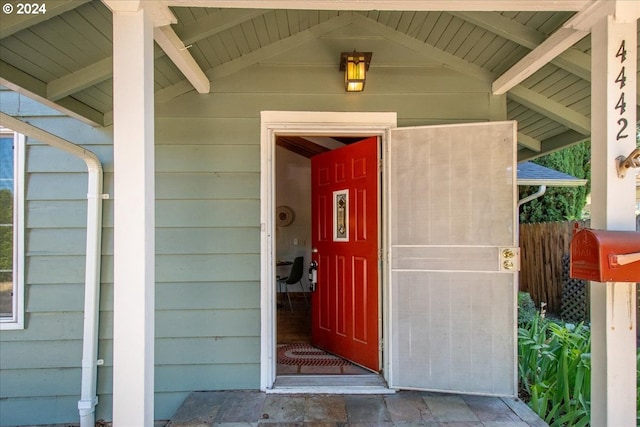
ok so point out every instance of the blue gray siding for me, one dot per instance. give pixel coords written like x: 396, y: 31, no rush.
x: 208, y: 231
x: 40, y: 365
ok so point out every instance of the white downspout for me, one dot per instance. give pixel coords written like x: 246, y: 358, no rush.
x: 540, y: 192
x: 90, y: 362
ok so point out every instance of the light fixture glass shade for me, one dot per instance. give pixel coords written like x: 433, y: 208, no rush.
x: 355, y: 73
x: 355, y: 66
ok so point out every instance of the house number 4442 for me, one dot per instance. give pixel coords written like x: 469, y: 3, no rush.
x: 621, y: 81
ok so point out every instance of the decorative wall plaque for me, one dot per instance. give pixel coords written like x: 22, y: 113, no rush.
x: 284, y: 216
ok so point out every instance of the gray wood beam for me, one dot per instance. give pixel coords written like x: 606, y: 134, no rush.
x: 576, y: 62
x: 81, y: 79
x: 256, y: 56
x: 555, y: 143
x: 86, y: 77
x: 28, y: 85
x: 553, y: 46
x: 529, y: 142
x: 211, y: 25
x: 521, y: 94
x: 432, y: 52
x: 503, y: 27
x: 170, y: 92
x: 572, y: 60
x: 280, y: 46
x: 550, y: 108
x: 171, y: 44
x: 576, y: 28
x: 103, y: 69
x: 418, y: 5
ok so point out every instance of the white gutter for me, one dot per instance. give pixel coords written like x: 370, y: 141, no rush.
x: 90, y: 362
x: 540, y: 192
x: 553, y: 182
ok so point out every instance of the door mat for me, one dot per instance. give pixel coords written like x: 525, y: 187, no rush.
x: 307, y: 355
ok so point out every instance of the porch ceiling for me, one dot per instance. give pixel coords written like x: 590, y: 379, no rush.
x: 64, y: 58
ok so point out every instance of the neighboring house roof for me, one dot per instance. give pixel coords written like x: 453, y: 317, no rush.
x: 64, y: 58
x: 534, y: 174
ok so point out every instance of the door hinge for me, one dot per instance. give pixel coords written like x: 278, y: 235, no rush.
x: 380, y: 254
x: 380, y: 165
x: 381, y: 344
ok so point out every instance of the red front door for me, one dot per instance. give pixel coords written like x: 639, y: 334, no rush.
x: 345, y: 234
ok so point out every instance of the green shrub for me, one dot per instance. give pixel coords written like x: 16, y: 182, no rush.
x: 526, y: 308
x: 560, y: 203
x: 554, y: 371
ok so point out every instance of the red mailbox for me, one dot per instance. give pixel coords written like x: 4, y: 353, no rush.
x: 606, y: 256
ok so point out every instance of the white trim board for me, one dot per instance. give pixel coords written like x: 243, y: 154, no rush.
x: 309, y: 123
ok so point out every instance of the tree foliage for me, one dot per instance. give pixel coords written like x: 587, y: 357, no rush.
x: 560, y: 203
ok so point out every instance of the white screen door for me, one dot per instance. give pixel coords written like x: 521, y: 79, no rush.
x: 453, y: 261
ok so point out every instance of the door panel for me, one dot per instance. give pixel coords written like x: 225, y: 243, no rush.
x: 452, y: 302
x: 345, y: 186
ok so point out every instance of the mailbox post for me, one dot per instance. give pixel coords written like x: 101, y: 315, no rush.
x: 613, y: 349
x: 613, y: 259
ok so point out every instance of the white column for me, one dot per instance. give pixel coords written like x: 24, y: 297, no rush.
x: 134, y: 223
x: 613, y: 133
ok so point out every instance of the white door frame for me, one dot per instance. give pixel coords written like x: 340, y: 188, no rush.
x: 273, y: 123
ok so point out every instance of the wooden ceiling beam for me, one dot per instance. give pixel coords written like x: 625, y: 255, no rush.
x: 430, y: 51
x: 553, y: 46
x: 280, y: 46
x: 529, y: 142
x: 167, y: 39
x: 570, y: 33
x: 23, y: 83
x: 399, y: 5
x: 572, y: 60
x: 555, y: 143
x: 253, y: 58
x: 81, y: 79
x: 103, y: 69
x: 215, y: 23
x: 552, y: 109
x: 347, y: 139
x: 300, y: 146
x: 171, y: 44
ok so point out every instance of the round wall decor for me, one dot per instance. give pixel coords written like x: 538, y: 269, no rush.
x: 284, y: 216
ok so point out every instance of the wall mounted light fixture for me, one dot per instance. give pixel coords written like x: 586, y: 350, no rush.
x: 355, y: 66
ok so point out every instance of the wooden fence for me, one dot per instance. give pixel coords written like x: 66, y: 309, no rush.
x: 541, y: 249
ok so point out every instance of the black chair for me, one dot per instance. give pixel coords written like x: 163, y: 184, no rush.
x: 295, y: 276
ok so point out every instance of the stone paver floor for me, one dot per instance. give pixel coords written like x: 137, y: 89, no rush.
x: 404, y: 408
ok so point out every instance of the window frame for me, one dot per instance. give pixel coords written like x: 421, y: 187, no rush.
x: 16, y: 321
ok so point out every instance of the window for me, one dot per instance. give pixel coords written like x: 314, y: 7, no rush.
x: 11, y: 229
